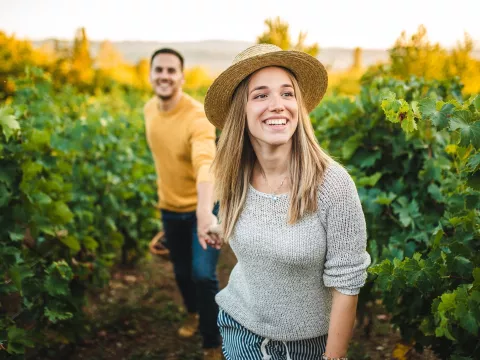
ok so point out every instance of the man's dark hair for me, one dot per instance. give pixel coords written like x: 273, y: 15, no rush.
x: 167, y: 51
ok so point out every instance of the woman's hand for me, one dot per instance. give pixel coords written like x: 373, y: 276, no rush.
x: 215, y: 239
x: 205, y: 220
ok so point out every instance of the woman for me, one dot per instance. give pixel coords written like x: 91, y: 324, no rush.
x: 291, y: 214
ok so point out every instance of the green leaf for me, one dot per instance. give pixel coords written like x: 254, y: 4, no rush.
x: 447, y: 302
x: 41, y: 198
x: 5, y: 195
x: 49, y: 230
x: 18, y: 273
x: 39, y: 139
x: 59, y: 275
x: 56, y: 286
x: 350, y: 146
x: 366, y: 159
x: 30, y: 170
x: 475, y: 297
x: 390, y: 106
x: 384, y: 270
x: 8, y: 175
x: 55, y: 316
x: 90, y: 243
x: 16, y: 236
x: 468, y: 322
x: 60, y: 212
x: 427, y: 327
x: 474, y: 181
x: 462, y: 265
x: 71, y: 242
x: 412, y: 270
x: 369, y: 180
x: 472, y: 201
x: 469, y: 131
x: 443, y: 328
x: 474, y: 161
x: 477, y: 102
x: 8, y: 123
x: 437, y: 237
x: 406, y: 211
x: 416, y: 109
x: 18, y: 340
x: 441, y: 118
x: 428, y: 107
x: 62, y: 268
x: 408, y: 122
x: 435, y: 191
x: 476, y: 277
x: 385, y: 199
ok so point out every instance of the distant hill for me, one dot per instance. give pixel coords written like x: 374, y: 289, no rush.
x: 216, y: 55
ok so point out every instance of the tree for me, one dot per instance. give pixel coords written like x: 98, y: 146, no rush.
x: 82, y: 63
x: 418, y: 56
x: 142, y: 69
x: 357, y: 59
x: 108, y: 57
x: 277, y: 33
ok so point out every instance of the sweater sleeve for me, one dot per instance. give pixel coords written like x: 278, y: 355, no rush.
x: 147, y: 115
x: 346, y: 258
x: 202, y: 141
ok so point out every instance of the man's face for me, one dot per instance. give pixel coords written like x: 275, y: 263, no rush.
x: 166, y: 76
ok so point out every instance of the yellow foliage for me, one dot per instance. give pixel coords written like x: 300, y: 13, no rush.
x: 278, y: 33
x: 451, y: 149
x: 197, y: 77
x: 142, y: 69
x: 418, y: 56
x: 346, y: 83
x: 401, y: 351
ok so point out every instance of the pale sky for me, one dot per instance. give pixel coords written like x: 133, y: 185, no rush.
x: 344, y: 23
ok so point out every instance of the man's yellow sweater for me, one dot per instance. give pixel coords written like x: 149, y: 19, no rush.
x: 182, y: 142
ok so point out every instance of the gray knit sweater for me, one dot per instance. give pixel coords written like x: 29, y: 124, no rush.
x: 280, y: 287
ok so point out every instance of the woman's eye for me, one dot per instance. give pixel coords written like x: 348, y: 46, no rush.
x: 260, y: 96
x: 288, y: 94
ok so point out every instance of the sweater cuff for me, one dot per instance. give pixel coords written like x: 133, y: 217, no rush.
x: 348, y: 291
x: 204, y: 174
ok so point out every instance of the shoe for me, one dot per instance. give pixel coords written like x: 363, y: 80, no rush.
x: 189, y: 326
x: 159, y: 246
x: 213, y: 354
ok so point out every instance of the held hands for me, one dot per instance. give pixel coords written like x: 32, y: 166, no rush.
x: 208, y: 230
x: 216, y: 237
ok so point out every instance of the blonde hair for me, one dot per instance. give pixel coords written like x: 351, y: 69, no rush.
x: 233, y: 164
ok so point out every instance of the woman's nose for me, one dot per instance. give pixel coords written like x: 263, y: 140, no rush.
x: 276, y: 104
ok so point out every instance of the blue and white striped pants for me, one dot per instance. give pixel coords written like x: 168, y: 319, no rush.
x: 241, y: 344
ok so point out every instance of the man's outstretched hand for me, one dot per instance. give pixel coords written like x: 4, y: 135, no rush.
x: 205, y: 221
x: 216, y: 236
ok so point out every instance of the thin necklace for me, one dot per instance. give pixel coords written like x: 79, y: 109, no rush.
x: 274, y: 192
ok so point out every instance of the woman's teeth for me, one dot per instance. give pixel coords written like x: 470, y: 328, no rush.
x: 276, y: 122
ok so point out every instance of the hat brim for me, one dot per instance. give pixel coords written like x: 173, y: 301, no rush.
x: 311, y: 75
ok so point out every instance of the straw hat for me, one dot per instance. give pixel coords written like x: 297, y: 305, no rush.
x: 309, y: 72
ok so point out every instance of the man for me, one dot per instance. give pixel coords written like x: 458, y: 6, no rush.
x: 182, y: 142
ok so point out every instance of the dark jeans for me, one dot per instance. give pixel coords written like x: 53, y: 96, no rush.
x: 195, y: 271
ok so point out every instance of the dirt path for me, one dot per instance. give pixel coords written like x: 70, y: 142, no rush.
x: 136, y: 318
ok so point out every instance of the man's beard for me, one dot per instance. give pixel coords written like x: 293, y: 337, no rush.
x: 165, y: 97
x: 169, y: 96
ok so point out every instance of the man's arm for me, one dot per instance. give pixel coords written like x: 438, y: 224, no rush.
x: 203, y: 152
x: 342, y: 320
x: 205, y: 217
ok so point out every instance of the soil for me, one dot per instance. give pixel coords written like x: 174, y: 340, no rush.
x: 137, y: 315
